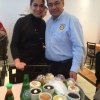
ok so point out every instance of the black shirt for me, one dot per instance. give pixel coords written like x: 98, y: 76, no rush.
x: 28, y: 38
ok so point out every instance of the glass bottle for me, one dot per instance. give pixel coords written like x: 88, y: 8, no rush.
x: 25, y: 92
x: 9, y: 95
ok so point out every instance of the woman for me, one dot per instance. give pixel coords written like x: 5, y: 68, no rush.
x: 28, y: 37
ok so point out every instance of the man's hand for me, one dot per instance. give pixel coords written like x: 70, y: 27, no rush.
x: 19, y: 65
x: 73, y: 75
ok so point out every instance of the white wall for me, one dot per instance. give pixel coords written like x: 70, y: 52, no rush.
x: 87, y: 11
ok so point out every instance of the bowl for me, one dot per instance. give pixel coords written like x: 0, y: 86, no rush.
x: 35, y: 93
x: 34, y: 84
x: 60, y: 76
x: 41, y: 78
x: 59, y: 97
x: 45, y: 96
x: 49, y: 76
x: 73, y: 96
x: 73, y: 89
x: 71, y: 82
x: 48, y: 88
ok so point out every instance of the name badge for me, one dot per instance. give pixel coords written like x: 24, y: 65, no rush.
x: 62, y: 26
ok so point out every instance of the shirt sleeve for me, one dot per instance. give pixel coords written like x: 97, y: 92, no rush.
x: 76, y: 37
x: 16, y: 39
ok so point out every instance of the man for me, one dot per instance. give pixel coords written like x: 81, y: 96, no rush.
x: 97, y: 68
x: 64, y: 41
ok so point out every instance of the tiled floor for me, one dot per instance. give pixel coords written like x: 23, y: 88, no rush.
x: 88, y: 74
x: 87, y: 87
x: 88, y: 77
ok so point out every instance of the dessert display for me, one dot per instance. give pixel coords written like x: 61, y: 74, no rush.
x: 73, y: 88
x: 48, y: 88
x: 55, y: 87
x: 45, y: 96
x: 71, y: 82
x: 49, y: 76
x: 73, y: 96
x: 59, y: 97
x: 60, y: 76
x: 41, y: 78
x: 34, y: 84
x: 59, y: 86
x: 35, y: 93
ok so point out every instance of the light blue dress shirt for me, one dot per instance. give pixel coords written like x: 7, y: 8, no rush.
x: 64, y: 40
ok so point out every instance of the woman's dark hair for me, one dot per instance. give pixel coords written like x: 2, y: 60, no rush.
x: 33, y: 0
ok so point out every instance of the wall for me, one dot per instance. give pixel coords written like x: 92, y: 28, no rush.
x: 87, y: 12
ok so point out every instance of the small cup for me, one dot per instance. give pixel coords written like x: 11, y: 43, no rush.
x: 45, y: 96
x: 59, y: 97
x: 73, y: 89
x: 73, y: 96
x: 35, y: 84
x: 48, y: 88
x: 60, y: 76
x: 71, y: 82
x: 35, y: 93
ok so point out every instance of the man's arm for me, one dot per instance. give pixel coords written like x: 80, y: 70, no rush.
x: 76, y: 37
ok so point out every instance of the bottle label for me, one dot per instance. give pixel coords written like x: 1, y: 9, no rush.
x: 26, y: 94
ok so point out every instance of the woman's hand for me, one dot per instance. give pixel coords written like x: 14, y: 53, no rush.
x: 19, y: 65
